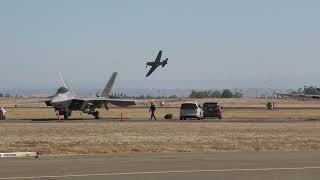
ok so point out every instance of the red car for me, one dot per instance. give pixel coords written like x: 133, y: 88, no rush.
x: 212, y: 109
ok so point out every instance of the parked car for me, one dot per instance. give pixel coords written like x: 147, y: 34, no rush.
x: 212, y: 109
x: 191, y: 110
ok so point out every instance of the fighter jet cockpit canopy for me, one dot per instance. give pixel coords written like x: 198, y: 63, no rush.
x: 62, y: 90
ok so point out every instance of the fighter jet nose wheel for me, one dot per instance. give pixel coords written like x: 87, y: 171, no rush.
x: 96, y: 115
x: 65, y: 114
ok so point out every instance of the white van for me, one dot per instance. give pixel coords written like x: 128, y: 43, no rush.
x: 191, y: 110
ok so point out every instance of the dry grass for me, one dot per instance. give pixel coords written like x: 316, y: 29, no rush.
x: 118, y: 137
x: 142, y: 113
x: 36, y: 112
x: 88, y: 138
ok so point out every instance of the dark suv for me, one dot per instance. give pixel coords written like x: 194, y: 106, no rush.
x: 212, y: 109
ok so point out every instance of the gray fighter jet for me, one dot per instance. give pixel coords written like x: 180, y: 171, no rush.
x: 307, y: 96
x: 298, y: 96
x: 65, y: 101
x: 155, y: 64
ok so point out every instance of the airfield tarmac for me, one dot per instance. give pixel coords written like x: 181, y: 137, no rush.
x: 245, y: 144
x: 231, y: 165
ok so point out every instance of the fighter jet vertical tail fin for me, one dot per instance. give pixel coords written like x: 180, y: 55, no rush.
x: 63, y: 81
x: 107, y: 89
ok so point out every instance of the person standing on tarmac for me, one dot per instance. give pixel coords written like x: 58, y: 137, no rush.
x: 2, y: 113
x: 152, y: 110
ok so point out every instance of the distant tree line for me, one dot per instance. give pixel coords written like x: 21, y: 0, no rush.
x: 7, y: 95
x: 309, y: 90
x: 226, y: 93
x: 119, y: 95
x: 124, y: 96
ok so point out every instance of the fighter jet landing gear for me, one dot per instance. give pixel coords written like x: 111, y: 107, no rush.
x: 91, y: 109
x: 65, y: 114
x: 96, y: 115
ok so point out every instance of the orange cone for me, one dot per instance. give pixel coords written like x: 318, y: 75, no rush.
x: 58, y: 117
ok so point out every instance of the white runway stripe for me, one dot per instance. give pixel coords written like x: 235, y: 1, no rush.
x: 160, y: 172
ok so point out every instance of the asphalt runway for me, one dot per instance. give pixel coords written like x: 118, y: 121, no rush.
x: 158, y: 166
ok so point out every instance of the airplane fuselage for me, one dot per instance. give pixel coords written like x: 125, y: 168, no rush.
x: 62, y: 101
x: 154, y: 63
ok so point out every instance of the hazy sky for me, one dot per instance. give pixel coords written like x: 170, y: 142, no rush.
x: 210, y: 44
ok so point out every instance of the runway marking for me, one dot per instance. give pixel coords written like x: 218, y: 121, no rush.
x: 158, y: 172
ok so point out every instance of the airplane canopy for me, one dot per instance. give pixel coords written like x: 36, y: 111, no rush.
x: 62, y: 90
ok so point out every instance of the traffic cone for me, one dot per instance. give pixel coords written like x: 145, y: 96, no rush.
x: 58, y: 117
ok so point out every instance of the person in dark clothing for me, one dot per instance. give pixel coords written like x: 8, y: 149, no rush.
x: 2, y: 113
x: 152, y: 109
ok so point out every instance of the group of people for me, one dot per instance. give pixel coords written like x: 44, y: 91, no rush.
x: 2, y: 113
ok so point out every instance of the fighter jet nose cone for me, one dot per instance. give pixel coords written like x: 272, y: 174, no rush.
x: 56, y: 99
x: 53, y: 100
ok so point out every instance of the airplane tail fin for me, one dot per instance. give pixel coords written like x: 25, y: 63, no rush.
x: 165, y: 62
x: 107, y: 89
x: 66, y: 87
x: 63, y: 81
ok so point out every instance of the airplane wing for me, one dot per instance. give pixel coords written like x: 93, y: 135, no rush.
x: 116, y: 102
x: 158, y: 59
x: 299, y: 96
x: 35, y: 103
x: 151, y: 70
x: 80, y: 104
x: 312, y: 96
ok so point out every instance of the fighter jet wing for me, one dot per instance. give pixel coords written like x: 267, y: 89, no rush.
x: 116, y: 102
x: 35, y: 103
x: 300, y: 96
x: 312, y: 96
x: 151, y: 70
x: 158, y: 59
x: 79, y: 104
